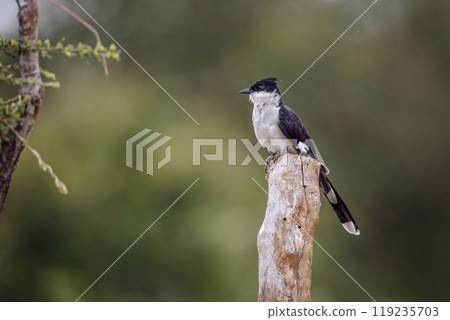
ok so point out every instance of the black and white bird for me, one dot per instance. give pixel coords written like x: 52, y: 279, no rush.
x: 274, y: 121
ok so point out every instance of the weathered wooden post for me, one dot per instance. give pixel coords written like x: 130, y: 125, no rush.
x: 285, y: 240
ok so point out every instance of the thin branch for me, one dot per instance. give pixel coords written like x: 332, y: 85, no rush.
x: 16, y: 98
x: 44, y: 166
x: 84, y: 22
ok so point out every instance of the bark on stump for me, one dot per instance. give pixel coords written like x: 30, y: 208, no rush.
x: 285, y: 240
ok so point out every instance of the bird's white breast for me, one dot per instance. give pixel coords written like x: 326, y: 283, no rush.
x: 265, y: 122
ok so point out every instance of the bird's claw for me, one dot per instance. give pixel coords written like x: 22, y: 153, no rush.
x: 272, y: 156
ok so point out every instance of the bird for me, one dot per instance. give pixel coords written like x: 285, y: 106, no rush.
x: 279, y: 129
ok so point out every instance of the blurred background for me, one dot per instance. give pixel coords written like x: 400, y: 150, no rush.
x: 376, y: 104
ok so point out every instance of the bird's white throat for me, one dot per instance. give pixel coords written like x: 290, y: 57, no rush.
x: 265, y: 98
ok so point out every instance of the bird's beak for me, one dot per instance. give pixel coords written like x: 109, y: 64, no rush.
x: 247, y: 91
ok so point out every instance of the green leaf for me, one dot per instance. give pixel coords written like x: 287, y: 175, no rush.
x: 26, y: 99
x: 16, y: 116
x: 48, y: 74
x: 14, y: 43
x: 52, y: 84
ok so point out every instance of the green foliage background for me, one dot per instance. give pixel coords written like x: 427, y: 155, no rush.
x: 377, y: 105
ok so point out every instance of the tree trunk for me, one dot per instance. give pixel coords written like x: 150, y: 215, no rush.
x: 29, y: 69
x: 285, y: 240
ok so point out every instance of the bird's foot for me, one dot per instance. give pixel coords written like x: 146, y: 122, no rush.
x: 272, y: 156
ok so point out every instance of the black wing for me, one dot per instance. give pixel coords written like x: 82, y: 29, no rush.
x: 293, y: 128
x: 291, y: 125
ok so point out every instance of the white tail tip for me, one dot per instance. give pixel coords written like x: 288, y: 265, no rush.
x: 350, y: 228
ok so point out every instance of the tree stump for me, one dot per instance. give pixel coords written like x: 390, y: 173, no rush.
x: 285, y: 240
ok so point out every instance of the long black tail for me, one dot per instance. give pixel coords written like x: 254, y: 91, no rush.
x: 338, y: 204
